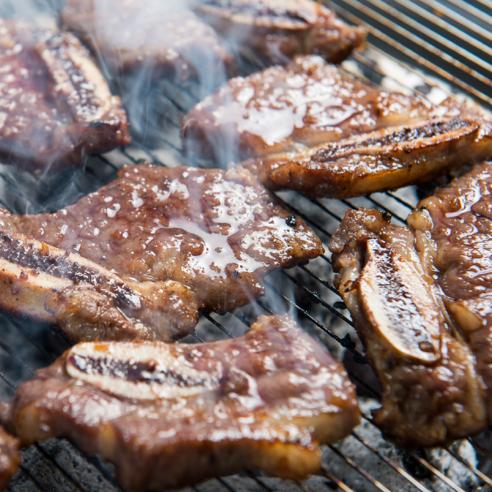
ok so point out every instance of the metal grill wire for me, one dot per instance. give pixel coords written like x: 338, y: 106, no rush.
x: 447, y: 40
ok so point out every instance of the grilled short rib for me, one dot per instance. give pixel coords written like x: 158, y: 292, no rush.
x: 217, y: 232
x: 9, y: 458
x: 173, y: 415
x: 290, y: 109
x: 311, y: 128
x: 277, y: 30
x: 55, y: 105
x: 161, y: 38
x: 454, y: 230
x: 431, y: 392
x: 87, y: 301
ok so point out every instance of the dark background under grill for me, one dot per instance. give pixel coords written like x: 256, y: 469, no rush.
x: 445, y: 46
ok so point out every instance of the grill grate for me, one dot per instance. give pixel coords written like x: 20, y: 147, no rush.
x: 444, y: 39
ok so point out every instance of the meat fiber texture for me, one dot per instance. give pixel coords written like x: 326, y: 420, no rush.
x: 55, y: 106
x: 312, y: 128
x: 158, y: 244
x: 174, y: 415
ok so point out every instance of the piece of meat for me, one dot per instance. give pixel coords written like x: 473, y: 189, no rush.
x: 174, y: 415
x: 432, y: 394
x: 293, y: 108
x: 55, y: 106
x: 384, y: 159
x: 454, y: 230
x: 162, y: 38
x: 217, y: 232
x: 87, y: 301
x: 277, y: 30
x: 9, y: 458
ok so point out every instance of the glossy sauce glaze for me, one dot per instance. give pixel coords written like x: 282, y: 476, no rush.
x: 264, y: 400
x: 304, y: 104
x: 217, y: 232
x: 458, y: 217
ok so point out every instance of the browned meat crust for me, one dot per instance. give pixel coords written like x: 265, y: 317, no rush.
x: 55, y: 105
x: 455, y: 231
x: 217, y: 232
x: 162, y: 38
x: 85, y: 300
x: 277, y: 30
x: 173, y: 415
x: 377, y: 161
x: 9, y: 458
x: 287, y: 109
x: 431, y: 392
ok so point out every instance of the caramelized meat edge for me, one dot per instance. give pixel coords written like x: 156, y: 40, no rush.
x: 170, y: 415
x: 431, y: 392
x: 454, y: 230
x: 217, y: 232
x: 87, y: 301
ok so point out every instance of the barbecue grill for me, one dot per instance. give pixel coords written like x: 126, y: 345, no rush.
x: 429, y: 47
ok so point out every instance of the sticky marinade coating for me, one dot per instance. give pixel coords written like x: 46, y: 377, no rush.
x: 173, y: 415
x: 432, y: 394
x: 9, y: 458
x: 85, y: 300
x: 311, y: 128
x: 277, y: 30
x: 385, y: 159
x: 161, y: 37
x: 287, y: 109
x: 454, y: 232
x: 217, y: 232
x: 55, y: 105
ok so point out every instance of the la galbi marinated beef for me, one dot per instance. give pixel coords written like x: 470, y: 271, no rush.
x: 216, y: 232
x: 173, y: 415
x: 277, y: 30
x: 432, y: 393
x: 86, y: 300
x: 311, y: 128
x: 453, y: 231
x: 55, y: 106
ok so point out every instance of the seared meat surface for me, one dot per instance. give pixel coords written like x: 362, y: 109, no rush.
x: 160, y: 37
x: 454, y: 230
x: 9, y: 458
x: 288, y: 109
x: 277, y: 30
x: 87, y: 301
x: 55, y: 105
x: 217, y: 232
x: 384, y: 159
x: 173, y: 415
x: 431, y: 392
x: 310, y: 128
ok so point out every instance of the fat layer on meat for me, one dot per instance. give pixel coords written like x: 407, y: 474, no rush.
x: 87, y: 301
x: 173, y: 415
x: 55, y: 105
x: 277, y: 30
x: 217, y: 232
x: 162, y: 38
x: 432, y: 394
x: 454, y: 230
x: 288, y: 109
